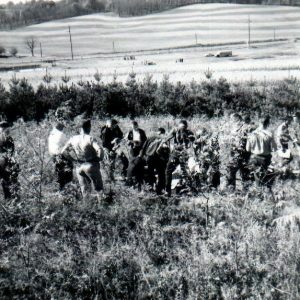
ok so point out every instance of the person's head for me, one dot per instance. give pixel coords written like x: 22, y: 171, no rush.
x: 59, y: 126
x: 296, y: 117
x: 135, y: 125
x: 111, y: 123
x: 160, y: 131
x: 183, y: 124
x: 288, y: 120
x: 236, y: 117
x: 247, y: 118
x: 266, y: 121
x: 4, y: 125
x: 86, y: 126
x: 202, y: 132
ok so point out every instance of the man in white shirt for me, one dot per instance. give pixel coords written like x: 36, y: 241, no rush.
x: 261, y: 144
x: 87, y: 154
x: 63, y: 166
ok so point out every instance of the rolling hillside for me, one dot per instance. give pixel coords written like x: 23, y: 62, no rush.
x: 213, y: 24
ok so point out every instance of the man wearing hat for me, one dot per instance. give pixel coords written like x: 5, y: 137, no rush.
x: 183, y: 139
x: 9, y: 169
x: 87, y: 154
x: 111, y: 134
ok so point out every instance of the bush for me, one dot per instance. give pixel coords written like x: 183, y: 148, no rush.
x: 2, y: 50
x: 13, y: 51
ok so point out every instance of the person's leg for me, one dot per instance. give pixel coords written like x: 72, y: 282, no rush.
x: 64, y: 172
x: 83, y: 179
x: 10, y: 183
x: 125, y: 163
x: 231, y: 172
x: 94, y: 174
x: 130, y: 172
x: 6, y: 189
x: 161, y: 171
x: 151, y: 171
x: 112, y: 162
x: 171, y: 166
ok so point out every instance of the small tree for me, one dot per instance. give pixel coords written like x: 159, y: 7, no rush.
x: 2, y: 50
x: 31, y: 43
x: 13, y: 51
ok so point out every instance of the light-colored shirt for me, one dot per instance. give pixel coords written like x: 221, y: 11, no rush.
x: 136, y: 136
x: 56, y: 140
x: 261, y: 142
x: 85, y: 147
x: 282, y: 135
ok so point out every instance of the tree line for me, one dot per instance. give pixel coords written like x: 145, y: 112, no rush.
x: 37, y: 11
x: 209, y: 97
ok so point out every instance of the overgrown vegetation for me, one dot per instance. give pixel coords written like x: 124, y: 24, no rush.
x: 210, y: 97
x: 139, y: 246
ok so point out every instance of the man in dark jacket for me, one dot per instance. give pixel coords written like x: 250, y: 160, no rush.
x: 9, y: 169
x: 136, y: 139
x: 156, y: 154
x: 110, y: 134
x: 183, y: 139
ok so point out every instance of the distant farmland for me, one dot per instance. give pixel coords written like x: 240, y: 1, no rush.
x: 158, y: 41
x: 204, y: 23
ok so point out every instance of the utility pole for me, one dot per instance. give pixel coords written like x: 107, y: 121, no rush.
x: 249, y: 32
x: 113, y: 44
x: 196, y: 38
x: 71, y: 43
x: 274, y: 34
x: 41, y: 49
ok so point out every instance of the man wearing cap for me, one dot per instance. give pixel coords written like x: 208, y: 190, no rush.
x: 63, y: 166
x: 110, y: 135
x: 156, y: 154
x: 87, y: 154
x: 183, y: 139
x: 9, y: 169
x: 261, y: 144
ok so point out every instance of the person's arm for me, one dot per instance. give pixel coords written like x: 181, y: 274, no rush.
x: 170, y: 136
x: 67, y: 147
x: 249, y: 143
x: 120, y: 134
x: 99, y: 150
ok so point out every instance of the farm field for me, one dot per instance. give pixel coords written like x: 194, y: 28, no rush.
x: 100, y: 42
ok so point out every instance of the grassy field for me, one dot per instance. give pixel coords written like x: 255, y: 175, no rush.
x: 101, y: 40
x: 219, y: 245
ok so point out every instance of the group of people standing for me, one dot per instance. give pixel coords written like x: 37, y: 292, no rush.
x: 153, y: 160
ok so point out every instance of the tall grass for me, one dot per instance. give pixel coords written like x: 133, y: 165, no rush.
x: 140, y: 246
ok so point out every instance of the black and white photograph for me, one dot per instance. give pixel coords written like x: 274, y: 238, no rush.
x: 150, y: 149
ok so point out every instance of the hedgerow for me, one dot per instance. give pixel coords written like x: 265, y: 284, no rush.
x: 210, y: 97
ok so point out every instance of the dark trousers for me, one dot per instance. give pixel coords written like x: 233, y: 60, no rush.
x: 135, y: 172
x: 9, y: 172
x: 259, y: 165
x: 239, y: 163
x: 63, y: 170
x: 158, y: 166
x: 176, y: 159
